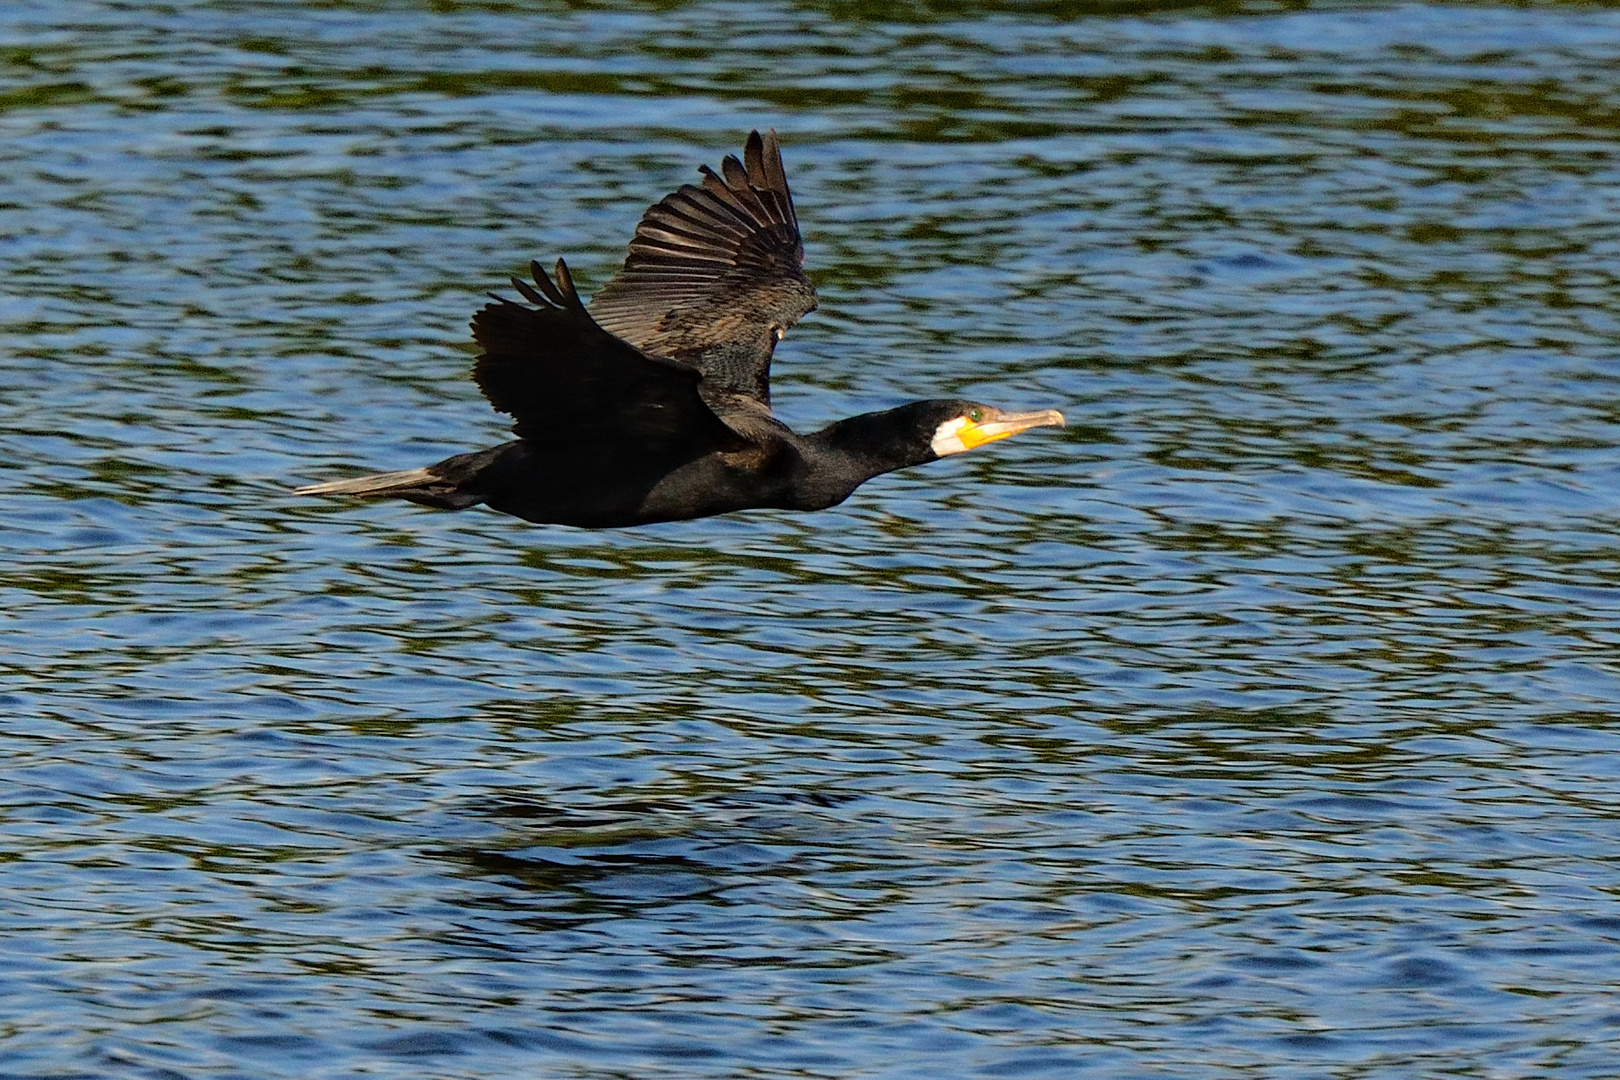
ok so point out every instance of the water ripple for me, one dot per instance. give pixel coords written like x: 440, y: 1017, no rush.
x: 1260, y: 722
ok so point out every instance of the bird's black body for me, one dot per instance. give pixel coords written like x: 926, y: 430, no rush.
x: 782, y: 471
x: 654, y: 403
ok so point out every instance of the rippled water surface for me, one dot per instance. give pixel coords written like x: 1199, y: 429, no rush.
x: 1262, y: 723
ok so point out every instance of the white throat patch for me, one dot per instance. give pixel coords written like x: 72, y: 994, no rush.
x: 948, y: 437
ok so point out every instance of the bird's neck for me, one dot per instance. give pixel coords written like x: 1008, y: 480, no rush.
x: 843, y: 456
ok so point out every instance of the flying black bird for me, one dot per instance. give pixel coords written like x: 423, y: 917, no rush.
x: 655, y: 404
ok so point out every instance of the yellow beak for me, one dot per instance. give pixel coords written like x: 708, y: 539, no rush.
x: 964, y: 433
x: 1003, y: 425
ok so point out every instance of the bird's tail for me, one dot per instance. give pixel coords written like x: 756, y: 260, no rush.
x: 453, y: 484
x: 387, y: 483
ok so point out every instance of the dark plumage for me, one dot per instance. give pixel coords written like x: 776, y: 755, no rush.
x: 654, y: 403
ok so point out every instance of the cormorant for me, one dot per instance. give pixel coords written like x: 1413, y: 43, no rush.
x: 654, y: 403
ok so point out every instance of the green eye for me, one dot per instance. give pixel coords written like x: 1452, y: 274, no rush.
x: 975, y: 415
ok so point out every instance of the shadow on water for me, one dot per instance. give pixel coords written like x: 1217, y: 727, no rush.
x: 610, y: 856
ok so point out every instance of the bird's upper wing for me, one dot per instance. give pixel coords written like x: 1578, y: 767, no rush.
x: 715, y: 272
x: 565, y: 380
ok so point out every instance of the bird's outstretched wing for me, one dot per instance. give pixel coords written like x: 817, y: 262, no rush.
x: 715, y: 273
x: 567, y: 381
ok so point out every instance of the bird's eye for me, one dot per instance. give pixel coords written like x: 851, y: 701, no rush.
x: 976, y: 415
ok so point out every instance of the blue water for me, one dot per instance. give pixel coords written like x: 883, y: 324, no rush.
x: 1264, y: 722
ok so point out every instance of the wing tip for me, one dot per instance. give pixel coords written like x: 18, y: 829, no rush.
x: 543, y: 293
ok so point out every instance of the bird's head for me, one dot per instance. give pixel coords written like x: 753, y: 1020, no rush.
x: 927, y: 430
x: 844, y: 455
x: 963, y: 425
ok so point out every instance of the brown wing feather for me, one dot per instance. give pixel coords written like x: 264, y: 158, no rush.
x: 714, y: 270
x: 565, y: 380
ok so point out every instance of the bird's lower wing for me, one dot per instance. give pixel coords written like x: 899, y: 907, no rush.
x: 566, y: 380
